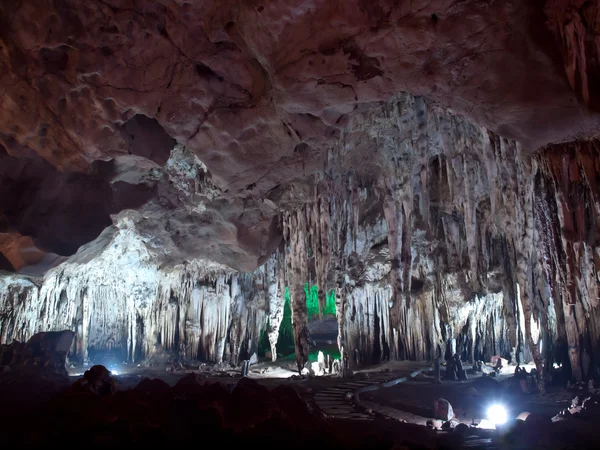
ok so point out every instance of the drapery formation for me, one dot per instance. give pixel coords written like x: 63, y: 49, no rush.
x: 431, y: 231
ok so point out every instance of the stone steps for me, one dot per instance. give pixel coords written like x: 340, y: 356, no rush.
x: 332, y: 400
x: 333, y: 404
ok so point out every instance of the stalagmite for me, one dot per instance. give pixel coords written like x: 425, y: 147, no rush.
x: 276, y: 299
x: 298, y: 275
x: 436, y: 236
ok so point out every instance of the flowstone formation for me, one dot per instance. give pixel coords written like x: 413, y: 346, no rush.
x: 196, y: 311
x: 257, y: 91
x: 442, y: 231
x: 171, y: 172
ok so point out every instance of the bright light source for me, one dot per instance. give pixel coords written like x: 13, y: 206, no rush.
x: 497, y: 414
x: 114, y: 372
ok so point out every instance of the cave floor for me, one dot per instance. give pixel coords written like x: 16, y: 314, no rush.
x: 413, y: 400
x: 383, y: 413
x: 266, y: 372
x: 404, y: 409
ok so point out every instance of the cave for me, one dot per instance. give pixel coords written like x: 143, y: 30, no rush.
x: 327, y: 220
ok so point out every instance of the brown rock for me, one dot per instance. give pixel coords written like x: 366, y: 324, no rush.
x: 257, y: 91
x: 44, y: 351
x: 443, y: 410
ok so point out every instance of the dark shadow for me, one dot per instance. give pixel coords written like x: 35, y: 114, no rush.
x: 147, y: 138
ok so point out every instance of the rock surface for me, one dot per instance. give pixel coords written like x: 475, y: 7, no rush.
x: 197, y: 161
x: 96, y: 380
x: 258, y: 92
x: 440, y: 232
x: 45, y: 352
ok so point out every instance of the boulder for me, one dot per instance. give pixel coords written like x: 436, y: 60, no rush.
x: 450, y: 424
x: 434, y: 424
x: 97, y: 380
x: 462, y: 428
x: 443, y: 410
x: 498, y: 362
x: 45, y: 351
x: 152, y: 386
x: 192, y: 383
x: 250, y: 403
x: 291, y: 404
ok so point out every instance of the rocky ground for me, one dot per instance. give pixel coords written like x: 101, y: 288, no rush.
x: 387, y: 406
x: 143, y: 406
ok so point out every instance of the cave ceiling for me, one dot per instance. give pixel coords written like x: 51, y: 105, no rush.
x: 95, y: 95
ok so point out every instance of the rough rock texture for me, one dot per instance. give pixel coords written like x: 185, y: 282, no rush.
x: 445, y: 230
x: 178, y: 208
x: 96, y: 380
x: 442, y: 231
x: 61, y: 211
x: 46, y: 351
x: 576, y: 26
x: 216, y: 137
x: 115, y: 296
x: 259, y: 90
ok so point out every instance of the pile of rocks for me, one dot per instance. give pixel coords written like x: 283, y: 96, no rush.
x: 45, y: 351
x: 154, y: 413
x: 585, y: 406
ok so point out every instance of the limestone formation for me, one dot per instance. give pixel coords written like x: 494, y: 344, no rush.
x: 174, y: 175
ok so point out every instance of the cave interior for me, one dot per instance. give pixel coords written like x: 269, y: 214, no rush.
x: 312, y: 187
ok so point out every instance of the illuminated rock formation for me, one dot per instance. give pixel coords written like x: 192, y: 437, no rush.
x: 195, y: 160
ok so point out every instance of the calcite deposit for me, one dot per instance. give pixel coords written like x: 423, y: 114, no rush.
x: 171, y: 172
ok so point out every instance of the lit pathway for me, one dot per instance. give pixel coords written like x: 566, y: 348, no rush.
x: 337, y: 402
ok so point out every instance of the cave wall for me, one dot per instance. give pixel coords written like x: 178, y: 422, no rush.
x: 122, y: 301
x: 576, y: 28
x: 431, y: 228
x: 428, y: 228
x: 257, y: 91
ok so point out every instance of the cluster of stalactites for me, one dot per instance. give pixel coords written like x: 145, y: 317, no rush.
x: 142, y: 312
x: 319, y: 239
x: 513, y: 224
x: 567, y: 213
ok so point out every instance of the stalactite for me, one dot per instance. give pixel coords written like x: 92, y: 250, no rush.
x: 137, y: 309
x: 428, y: 227
x: 394, y: 220
x: 314, y: 227
x: 19, y: 308
x: 524, y: 267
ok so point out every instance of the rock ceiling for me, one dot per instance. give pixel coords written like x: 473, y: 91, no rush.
x: 96, y: 93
